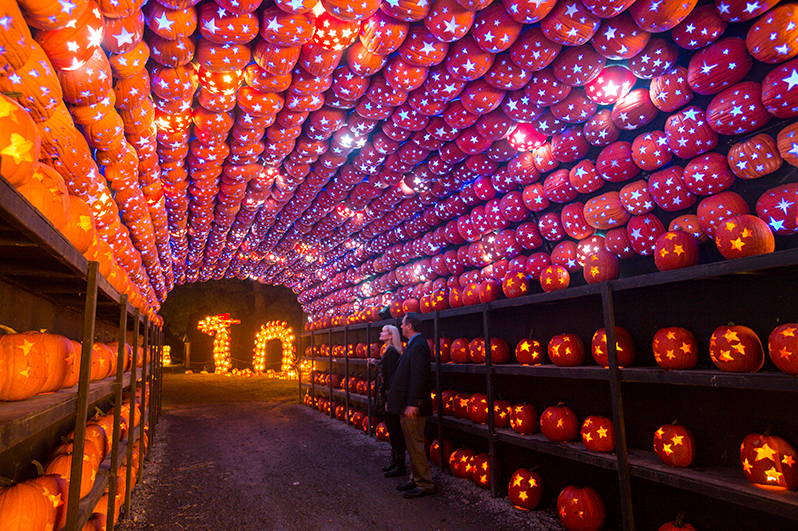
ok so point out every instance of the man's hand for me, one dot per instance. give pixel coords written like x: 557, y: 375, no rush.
x: 411, y: 411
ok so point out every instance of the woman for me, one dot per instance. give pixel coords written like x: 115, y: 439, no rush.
x: 386, y: 367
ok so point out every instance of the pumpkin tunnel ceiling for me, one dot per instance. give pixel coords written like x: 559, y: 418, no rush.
x: 368, y: 152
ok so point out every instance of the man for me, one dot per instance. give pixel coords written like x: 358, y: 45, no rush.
x: 409, y: 397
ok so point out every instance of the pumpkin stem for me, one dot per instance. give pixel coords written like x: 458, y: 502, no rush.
x: 534, y: 468
x: 731, y: 324
x: 7, y: 329
x: 680, y: 519
x: 768, y: 430
x: 531, y: 331
x: 39, y: 468
x: 675, y: 422
x: 5, y: 482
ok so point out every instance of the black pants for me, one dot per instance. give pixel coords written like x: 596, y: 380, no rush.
x: 395, y: 435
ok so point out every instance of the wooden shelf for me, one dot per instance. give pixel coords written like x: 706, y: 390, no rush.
x: 463, y: 425
x: 36, y: 257
x: 553, y: 371
x: 575, y: 451
x: 716, y: 482
x: 27, y: 418
x: 770, y: 381
x: 464, y: 368
x: 89, y: 501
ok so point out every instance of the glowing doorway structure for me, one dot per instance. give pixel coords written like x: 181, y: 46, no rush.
x: 275, y: 330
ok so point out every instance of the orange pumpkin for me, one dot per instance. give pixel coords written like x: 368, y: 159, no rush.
x: 524, y: 419
x: 606, y: 211
x: 566, y: 350
x: 624, y: 347
x: 783, y: 347
x: 47, y: 192
x: 598, y: 434
x: 559, y: 423
x: 62, y: 465
x: 69, y: 47
x: 15, y: 39
x: 51, y: 15
x: 744, y: 235
x: 675, y: 445
x: 34, y: 86
x: 57, y: 492
x: 525, y: 489
x: 675, y: 348
x: 755, y: 157
x: 736, y: 348
x: 581, y: 509
x: 528, y: 352
x: 25, y: 506
x: 769, y: 461
x: 20, y: 141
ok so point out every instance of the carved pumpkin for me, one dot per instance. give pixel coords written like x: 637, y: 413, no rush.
x: 434, y: 451
x: 783, y: 347
x: 769, y: 461
x: 676, y: 249
x: 525, y: 489
x: 559, y: 423
x: 478, y: 408
x: 675, y: 348
x: 566, y: 350
x: 25, y: 506
x: 580, y: 509
x: 24, y: 370
x: 480, y: 470
x: 675, y: 445
x: 529, y: 352
x: 20, y: 141
x: 524, y: 419
x: 554, y: 277
x: 598, y: 434
x: 502, y: 409
x: 743, y: 235
x: 460, y: 463
x: 460, y: 405
x: 624, y: 347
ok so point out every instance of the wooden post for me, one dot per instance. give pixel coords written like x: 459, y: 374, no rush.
x: 121, y: 354
x: 144, y: 393
x: 82, y: 405
x: 617, y: 409
x: 346, y: 374
x: 438, y: 392
x: 489, y: 392
x: 131, y: 416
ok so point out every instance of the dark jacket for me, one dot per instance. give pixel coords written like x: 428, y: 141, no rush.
x: 386, y: 368
x: 410, y: 386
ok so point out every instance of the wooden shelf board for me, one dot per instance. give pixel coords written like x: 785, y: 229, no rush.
x: 466, y: 368
x: 553, y: 371
x: 716, y: 482
x: 574, y: 451
x: 769, y: 381
x: 27, y: 418
x: 552, y: 296
x: 464, y: 425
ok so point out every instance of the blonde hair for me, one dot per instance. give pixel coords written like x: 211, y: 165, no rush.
x: 396, y: 339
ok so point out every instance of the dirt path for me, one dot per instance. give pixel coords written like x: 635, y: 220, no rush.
x: 269, y: 465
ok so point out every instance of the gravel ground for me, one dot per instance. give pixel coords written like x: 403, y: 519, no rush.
x: 267, y: 465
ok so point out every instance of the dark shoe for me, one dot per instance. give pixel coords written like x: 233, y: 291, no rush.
x: 396, y: 471
x: 389, y: 466
x: 407, y: 485
x: 418, y: 493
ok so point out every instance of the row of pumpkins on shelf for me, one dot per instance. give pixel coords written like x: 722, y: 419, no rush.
x: 40, y: 504
x: 33, y: 363
x: 732, y: 348
x: 735, y: 236
x: 674, y: 444
x: 354, y: 384
x: 578, y: 508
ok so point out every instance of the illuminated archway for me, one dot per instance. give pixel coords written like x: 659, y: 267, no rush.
x: 275, y: 330
x: 218, y: 326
